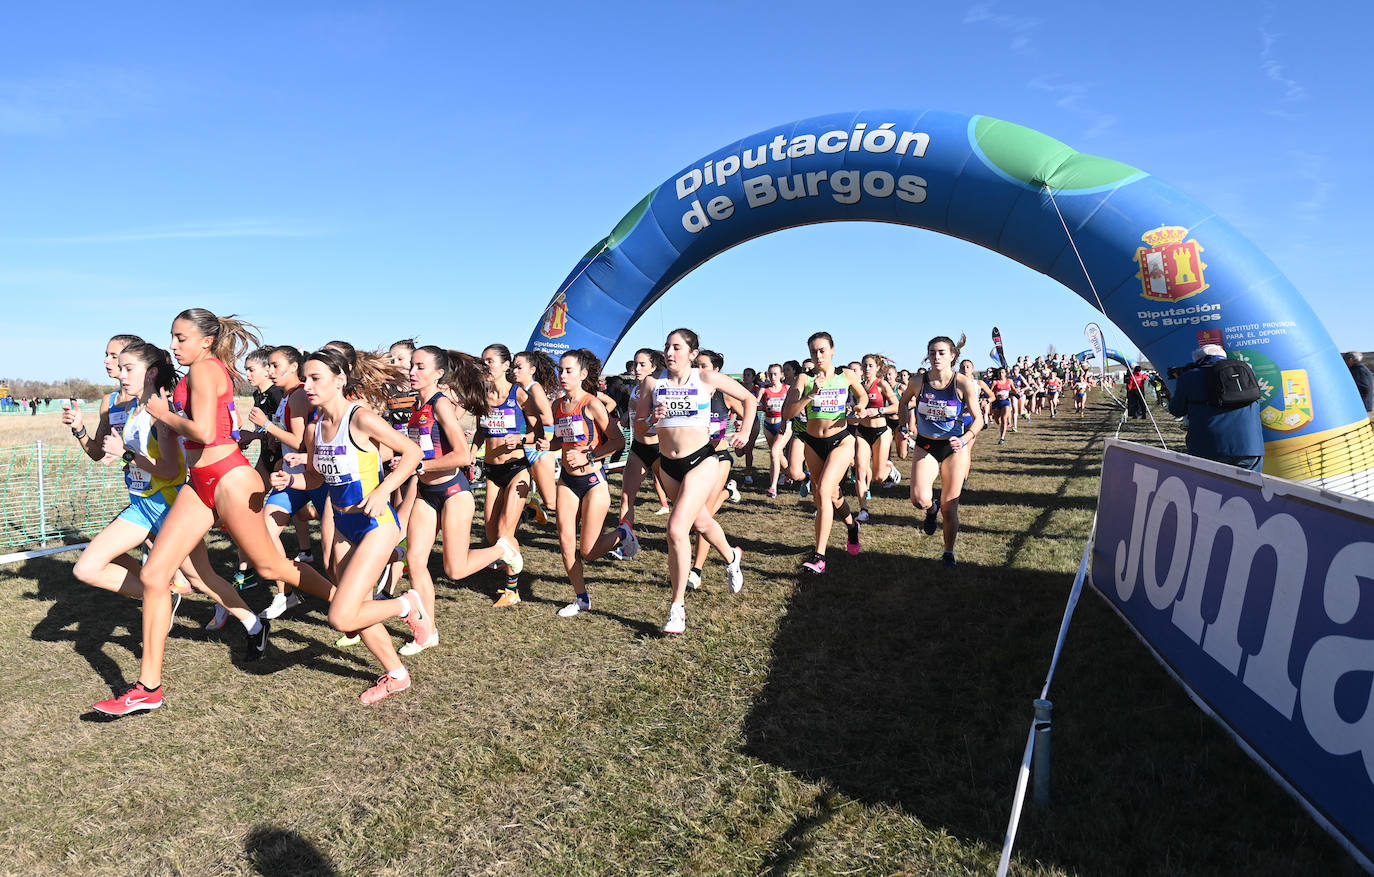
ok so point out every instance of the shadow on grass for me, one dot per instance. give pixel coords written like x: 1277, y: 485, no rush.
x: 919, y: 696
x: 279, y: 852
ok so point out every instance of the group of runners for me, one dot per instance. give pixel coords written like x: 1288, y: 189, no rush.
x: 374, y: 447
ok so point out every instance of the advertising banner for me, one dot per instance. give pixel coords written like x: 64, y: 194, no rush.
x: 1257, y: 594
x: 1170, y: 272
x: 1098, y: 345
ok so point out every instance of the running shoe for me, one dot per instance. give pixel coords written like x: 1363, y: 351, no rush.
x: 134, y: 699
x: 280, y: 603
x: 772, y: 493
x: 414, y: 648
x: 305, y: 557
x: 1013, y: 429
x: 421, y: 625
x: 537, y: 511
x: 381, y: 592
x: 581, y: 604
x: 221, y: 618
x: 748, y: 479
x: 734, y: 573
x: 386, y: 686
x: 733, y: 490
x: 257, y: 643
x: 694, y: 579
x: 615, y: 553
x: 1026, y: 417
x: 929, y: 524
x: 677, y: 619
x: 816, y: 564
x: 348, y: 639
x: 868, y: 495
x: 629, y: 542
x: 176, y: 604
x: 948, y: 559
x: 1002, y: 440
x: 805, y: 490
x: 512, y: 557
x: 862, y: 516
x: 893, y: 477
x: 509, y: 597
x: 663, y: 510
x: 244, y: 580
x: 851, y: 543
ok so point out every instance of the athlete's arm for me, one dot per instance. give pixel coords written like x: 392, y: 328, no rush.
x: 797, y: 397
x: 91, y: 443
x: 904, y: 405
x: 370, y: 424
x: 199, y: 424
x: 733, y: 389
x: 460, y: 453
x: 612, y: 439
x: 968, y: 392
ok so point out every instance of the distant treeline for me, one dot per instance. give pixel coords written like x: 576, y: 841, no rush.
x: 71, y: 388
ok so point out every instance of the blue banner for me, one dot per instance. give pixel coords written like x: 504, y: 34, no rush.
x: 1258, y: 595
x: 1164, y: 268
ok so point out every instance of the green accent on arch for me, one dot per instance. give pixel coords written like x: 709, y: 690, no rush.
x: 1038, y: 159
x: 623, y: 228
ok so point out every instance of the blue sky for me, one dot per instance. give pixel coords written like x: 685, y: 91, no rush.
x: 374, y: 171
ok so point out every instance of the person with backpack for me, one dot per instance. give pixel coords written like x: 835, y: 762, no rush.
x: 1221, y: 399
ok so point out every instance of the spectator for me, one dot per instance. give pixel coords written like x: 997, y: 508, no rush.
x: 1364, y: 380
x: 1227, y: 436
x: 1135, y: 394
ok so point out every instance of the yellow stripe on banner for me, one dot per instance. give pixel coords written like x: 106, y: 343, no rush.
x: 1320, y: 455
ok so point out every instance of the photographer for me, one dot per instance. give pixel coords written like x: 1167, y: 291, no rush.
x: 1226, y: 435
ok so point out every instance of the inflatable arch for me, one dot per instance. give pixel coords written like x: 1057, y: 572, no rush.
x: 1117, y: 355
x: 1167, y: 271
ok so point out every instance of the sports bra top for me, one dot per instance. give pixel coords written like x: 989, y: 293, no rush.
x: 720, y: 417
x: 939, y: 413
x: 572, y: 425
x: 140, y: 436
x: 119, y: 414
x: 773, y: 401
x: 876, y: 398
x: 504, y: 419
x: 226, y: 417
x: 425, y: 430
x: 688, y: 404
x: 350, y: 473
x: 830, y: 400
x: 634, y: 409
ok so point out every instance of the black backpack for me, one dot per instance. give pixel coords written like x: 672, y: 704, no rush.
x: 1231, y: 384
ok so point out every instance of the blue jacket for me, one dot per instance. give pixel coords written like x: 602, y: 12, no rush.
x: 1214, y: 433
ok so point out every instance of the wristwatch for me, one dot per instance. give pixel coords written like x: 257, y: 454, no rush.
x: 129, y: 456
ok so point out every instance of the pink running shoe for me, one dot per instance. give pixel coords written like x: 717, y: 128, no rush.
x: 851, y: 543
x: 385, y: 687
x: 420, y: 623
x: 133, y: 700
x: 816, y: 564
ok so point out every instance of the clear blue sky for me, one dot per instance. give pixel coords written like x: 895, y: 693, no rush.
x: 372, y: 171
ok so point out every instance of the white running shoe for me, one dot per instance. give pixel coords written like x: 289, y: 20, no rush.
x: 581, y: 604
x: 893, y: 477
x: 305, y: 557
x: 414, y: 648
x: 662, y: 510
x: 862, y: 516
x: 512, y: 557
x: 280, y: 603
x: 733, y: 573
x: 693, y: 580
x: 629, y: 542
x: 733, y: 489
x: 677, y: 619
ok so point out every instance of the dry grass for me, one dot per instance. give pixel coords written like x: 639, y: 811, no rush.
x: 868, y: 721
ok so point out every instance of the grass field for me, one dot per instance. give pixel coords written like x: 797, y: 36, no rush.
x: 869, y: 721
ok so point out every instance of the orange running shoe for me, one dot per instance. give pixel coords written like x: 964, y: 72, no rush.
x: 509, y: 597
x: 385, y: 687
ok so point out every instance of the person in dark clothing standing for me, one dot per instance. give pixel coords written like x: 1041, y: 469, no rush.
x: 1364, y: 380
x: 1232, y: 436
x: 1135, y: 393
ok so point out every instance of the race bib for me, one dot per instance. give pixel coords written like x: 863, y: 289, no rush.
x: 945, y: 410
x: 680, y: 401
x: 831, y: 400
x: 571, y: 429
x: 501, y: 421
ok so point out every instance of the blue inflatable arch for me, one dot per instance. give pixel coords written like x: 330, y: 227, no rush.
x: 1085, y: 355
x: 1169, y: 272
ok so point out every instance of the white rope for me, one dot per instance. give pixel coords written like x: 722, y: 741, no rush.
x: 1100, y: 307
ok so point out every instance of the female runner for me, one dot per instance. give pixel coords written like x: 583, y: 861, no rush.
x: 829, y: 443
x: 535, y: 373
x: 643, y: 444
x: 220, y: 482
x: 1054, y: 385
x: 504, y: 432
x: 584, y: 433
x: 722, y: 406
x: 114, y: 408
x: 749, y: 379
x: 772, y: 396
x: 796, y: 449
x: 875, y: 438
x: 1080, y: 392
x: 942, y: 441
x: 1002, y: 391
x: 445, y: 495
x: 152, y: 472
x: 342, y: 449
x: 679, y: 403
x: 400, y: 402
